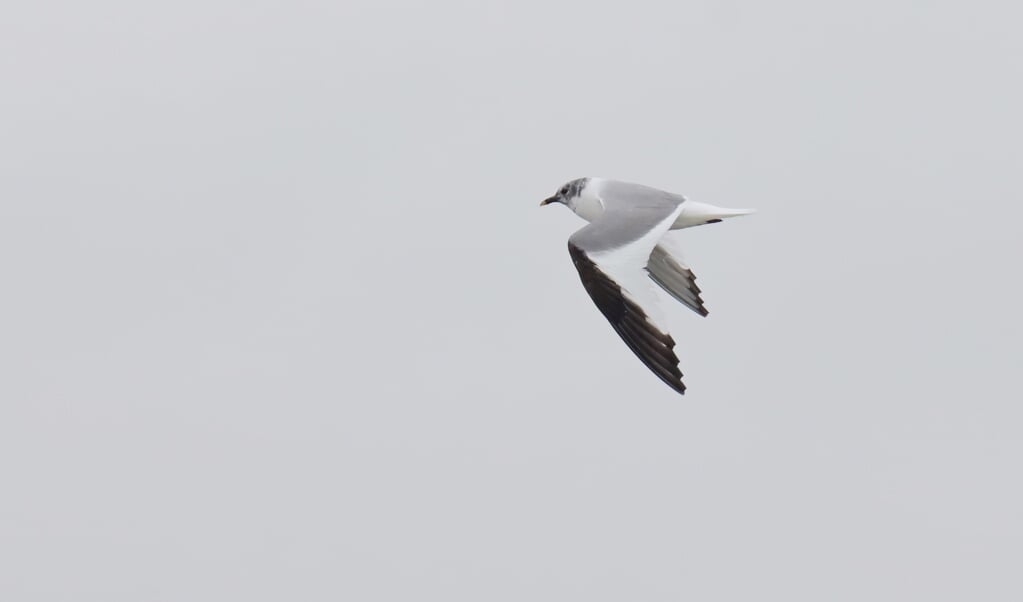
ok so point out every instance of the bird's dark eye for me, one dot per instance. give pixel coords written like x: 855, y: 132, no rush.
x: 564, y: 190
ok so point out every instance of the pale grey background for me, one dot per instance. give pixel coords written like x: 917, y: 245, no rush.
x: 281, y: 319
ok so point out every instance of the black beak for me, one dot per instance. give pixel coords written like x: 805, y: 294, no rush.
x: 553, y: 199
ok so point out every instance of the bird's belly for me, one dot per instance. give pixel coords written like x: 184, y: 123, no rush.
x: 589, y: 209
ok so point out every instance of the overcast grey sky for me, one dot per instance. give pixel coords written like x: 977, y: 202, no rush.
x: 282, y: 320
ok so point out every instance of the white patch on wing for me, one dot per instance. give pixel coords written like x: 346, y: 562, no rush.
x: 626, y: 265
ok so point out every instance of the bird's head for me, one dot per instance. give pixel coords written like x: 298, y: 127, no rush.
x: 567, y: 193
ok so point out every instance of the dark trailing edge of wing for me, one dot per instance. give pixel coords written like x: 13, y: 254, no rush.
x: 654, y: 348
x: 676, y: 279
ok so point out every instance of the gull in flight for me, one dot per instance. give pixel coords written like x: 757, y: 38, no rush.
x: 621, y: 254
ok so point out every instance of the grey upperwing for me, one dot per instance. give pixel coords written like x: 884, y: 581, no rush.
x: 676, y: 279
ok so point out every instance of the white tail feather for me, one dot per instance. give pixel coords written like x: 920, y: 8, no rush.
x: 697, y: 214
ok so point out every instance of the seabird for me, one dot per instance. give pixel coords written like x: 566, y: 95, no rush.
x: 621, y: 252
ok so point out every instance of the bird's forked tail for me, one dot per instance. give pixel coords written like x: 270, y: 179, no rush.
x: 697, y: 214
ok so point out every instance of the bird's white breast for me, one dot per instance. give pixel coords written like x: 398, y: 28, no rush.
x: 588, y: 206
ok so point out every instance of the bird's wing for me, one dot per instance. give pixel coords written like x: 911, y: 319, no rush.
x: 611, y: 255
x: 675, y: 278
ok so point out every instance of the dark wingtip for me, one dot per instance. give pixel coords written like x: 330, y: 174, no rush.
x: 653, y: 347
